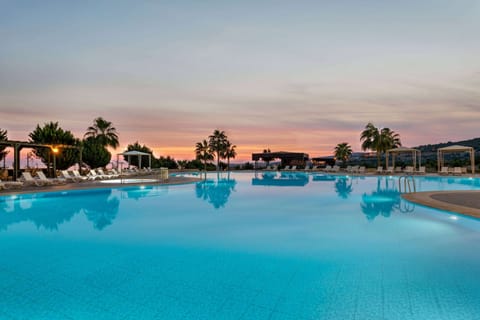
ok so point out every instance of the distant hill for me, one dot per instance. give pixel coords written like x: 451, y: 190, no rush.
x: 475, y: 143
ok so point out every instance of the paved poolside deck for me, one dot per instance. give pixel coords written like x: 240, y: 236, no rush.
x: 463, y: 202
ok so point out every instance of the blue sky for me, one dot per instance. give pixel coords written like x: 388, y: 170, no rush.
x: 288, y: 75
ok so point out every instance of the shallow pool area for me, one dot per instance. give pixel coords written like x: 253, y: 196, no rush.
x: 128, y: 181
x: 265, y: 245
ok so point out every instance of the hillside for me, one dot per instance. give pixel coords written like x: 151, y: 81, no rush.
x: 475, y: 143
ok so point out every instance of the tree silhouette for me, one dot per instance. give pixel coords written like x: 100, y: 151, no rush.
x: 104, y: 131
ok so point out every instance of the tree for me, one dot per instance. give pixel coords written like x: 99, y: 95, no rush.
x: 94, y: 153
x: 230, y: 152
x: 217, y: 143
x: 343, y: 152
x: 166, y: 162
x: 369, y: 136
x: 52, y: 134
x: 3, y: 137
x: 203, y: 153
x: 182, y: 164
x: 104, y: 131
x: 387, y: 139
x: 379, y: 140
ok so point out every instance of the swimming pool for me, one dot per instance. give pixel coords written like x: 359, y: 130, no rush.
x: 239, y: 246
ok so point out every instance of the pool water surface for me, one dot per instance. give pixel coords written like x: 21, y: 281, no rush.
x: 240, y: 246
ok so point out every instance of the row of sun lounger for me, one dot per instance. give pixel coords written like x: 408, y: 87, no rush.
x: 455, y: 171
x: 398, y: 170
x: 68, y: 176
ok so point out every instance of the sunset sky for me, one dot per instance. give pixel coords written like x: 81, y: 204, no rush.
x: 287, y: 75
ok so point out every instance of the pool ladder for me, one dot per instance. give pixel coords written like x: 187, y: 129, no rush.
x: 408, y: 184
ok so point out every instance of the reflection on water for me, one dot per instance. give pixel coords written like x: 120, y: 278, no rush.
x: 378, y: 196
x: 216, y: 192
x: 282, y: 179
x: 343, y: 187
x: 103, y: 211
x: 46, y: 211
x: 384, y: 200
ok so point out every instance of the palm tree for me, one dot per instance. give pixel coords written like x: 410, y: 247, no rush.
x: 379, y: 140
x: 203, y: 153
x: 182, y: 164
x: 369, y: 136
x: 104, y: 132
x: 387, y: 139
x: 217, y: 143
x: 343, y: 152
x: 230, y: 152
x: 3, y: 137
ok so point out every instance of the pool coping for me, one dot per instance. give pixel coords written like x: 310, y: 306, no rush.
x: 86, y: 185
x: 466, y: 202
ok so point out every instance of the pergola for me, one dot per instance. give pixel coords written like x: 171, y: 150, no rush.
x: 416, y: 155
x: 19, y: 145
x: 455, y: 149
x: 139, y: 154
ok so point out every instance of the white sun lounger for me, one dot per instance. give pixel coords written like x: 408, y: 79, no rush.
x: 457, y: 171
x: 41, y: 176
x: 77, y: 175
x: 444, y: 170
x: 65, y: 175
x: 101, y: 173
x: 10, y: 184
x: 29, y: 180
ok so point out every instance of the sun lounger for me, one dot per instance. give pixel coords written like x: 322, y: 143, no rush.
x: 444, y: 171
x: 421, y: 170
x: 390, y: 170
x: 65, y: 175
x: 408, y: 170
x: 361, y: 170
x: 115, y: 172
x: 147, y: 170
x: 77, y: 175
x: 92, y: 175
x: 10, y: 184
x: 335, y: 169
x: 29, y: 180
x: 327, y: 168
x: 457, y: 171
x: 379, y: 170
x: 41, y: 176
x: 101, y: 173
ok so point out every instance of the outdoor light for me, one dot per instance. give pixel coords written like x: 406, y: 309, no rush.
x: 55, y: 150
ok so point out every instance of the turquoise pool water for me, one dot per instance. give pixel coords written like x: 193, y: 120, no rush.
x: 240, y: 246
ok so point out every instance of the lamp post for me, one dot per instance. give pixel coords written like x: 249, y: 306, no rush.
x: 54, y: 151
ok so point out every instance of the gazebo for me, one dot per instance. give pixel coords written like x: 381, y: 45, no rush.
x: 416, y: 155
x: 139, y: 154
x: 455, y: 149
